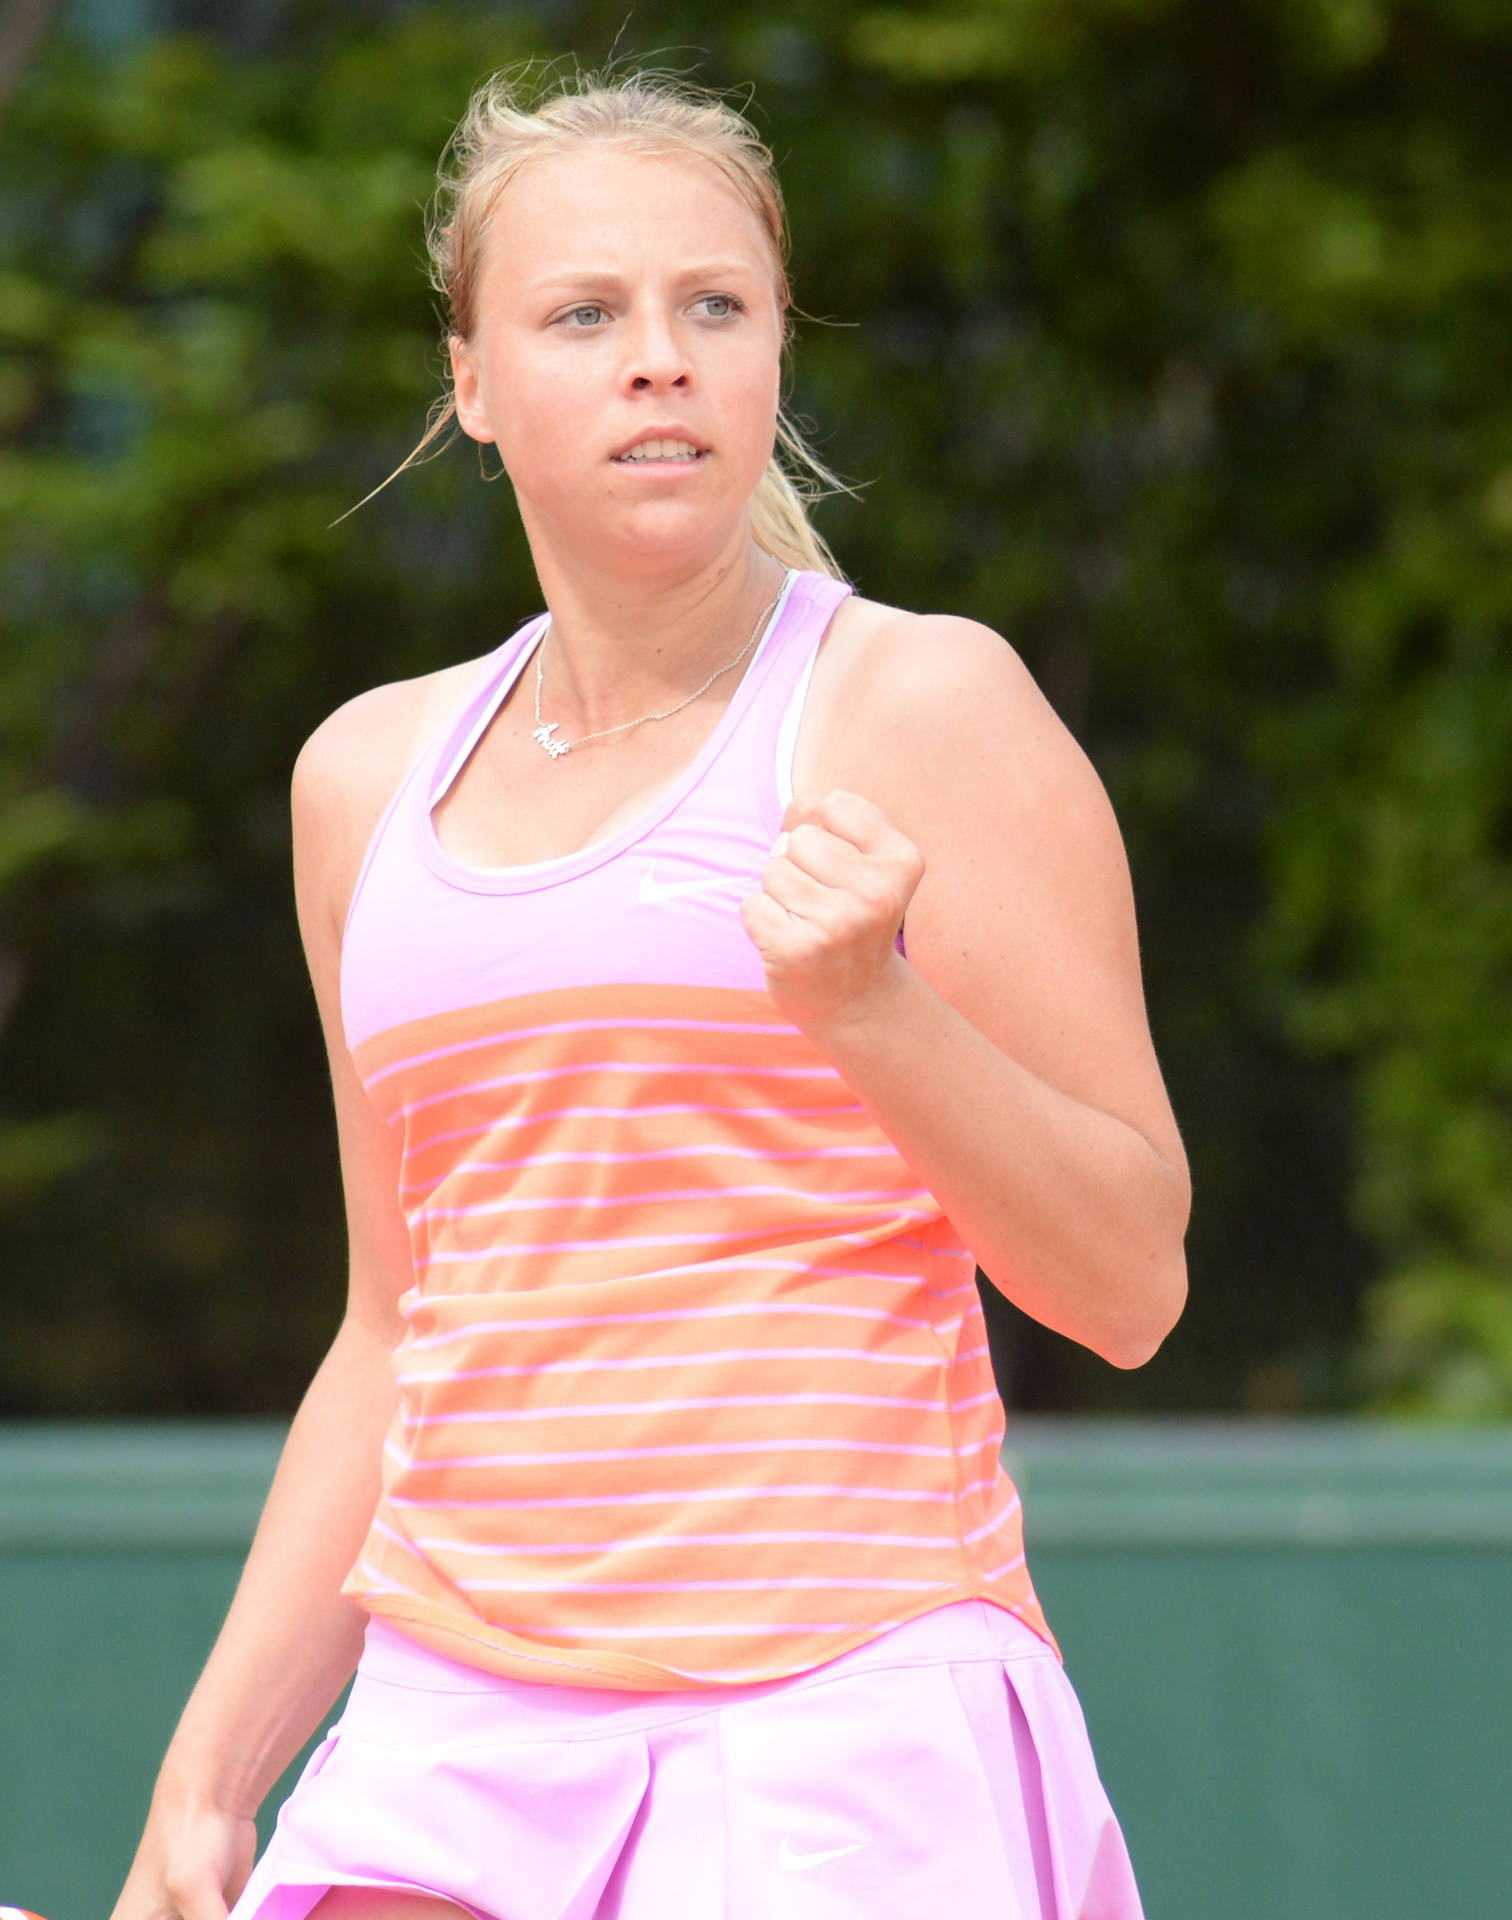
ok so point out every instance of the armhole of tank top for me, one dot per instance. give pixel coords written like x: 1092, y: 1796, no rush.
x: 412, y: 773
x: 787, y: 733
x: 376, y: 836
x: 787, y: 749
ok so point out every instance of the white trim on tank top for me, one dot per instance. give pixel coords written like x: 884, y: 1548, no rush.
x: 787, y: 733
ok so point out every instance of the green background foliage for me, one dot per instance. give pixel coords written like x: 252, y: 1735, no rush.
x: 1170, y: 340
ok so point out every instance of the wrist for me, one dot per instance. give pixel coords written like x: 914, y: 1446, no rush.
x: 870, y: 1015
x: 189, y: 1784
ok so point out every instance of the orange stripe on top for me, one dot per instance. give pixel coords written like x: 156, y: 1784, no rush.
x: 695, y: 1389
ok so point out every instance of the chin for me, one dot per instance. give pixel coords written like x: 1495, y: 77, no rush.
x: 670, y: 529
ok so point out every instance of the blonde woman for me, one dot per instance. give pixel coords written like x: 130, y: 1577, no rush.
x: 713, y: 973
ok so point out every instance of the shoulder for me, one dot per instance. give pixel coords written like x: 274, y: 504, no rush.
x: 934, y: 669
x: 348, y: 769
x: 942, y: 715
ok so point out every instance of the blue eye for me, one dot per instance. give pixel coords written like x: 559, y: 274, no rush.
x: 730, y: 302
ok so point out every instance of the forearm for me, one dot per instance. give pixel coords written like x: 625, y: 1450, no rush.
x: 1071, y: 1212
x: 290, y: 1642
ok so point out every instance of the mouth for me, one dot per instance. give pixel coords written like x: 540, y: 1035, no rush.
x: 662, y: 456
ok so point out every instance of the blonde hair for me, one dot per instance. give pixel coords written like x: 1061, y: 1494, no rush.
x: 643, y: 113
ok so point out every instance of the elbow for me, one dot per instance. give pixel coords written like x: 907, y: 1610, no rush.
x: 1140, y: 1337
x: 1132, y: 1354
x: 1153, y: 1310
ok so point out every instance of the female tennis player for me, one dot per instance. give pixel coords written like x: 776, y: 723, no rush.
x: 714, y: 973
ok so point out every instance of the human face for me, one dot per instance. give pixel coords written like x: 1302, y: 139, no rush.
x: 620, y: 292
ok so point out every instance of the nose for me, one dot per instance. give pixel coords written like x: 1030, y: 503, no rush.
x: 655, y: 357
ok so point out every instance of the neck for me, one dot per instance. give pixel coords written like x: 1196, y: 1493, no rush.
x: 619, y: 649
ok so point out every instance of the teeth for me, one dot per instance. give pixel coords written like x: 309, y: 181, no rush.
x: 662, y: 450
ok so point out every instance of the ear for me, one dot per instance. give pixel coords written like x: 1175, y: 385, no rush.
x: 470, y: 415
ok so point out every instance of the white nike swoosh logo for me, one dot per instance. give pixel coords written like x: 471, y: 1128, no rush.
x: 796, y: 1862
x: 650, y: 892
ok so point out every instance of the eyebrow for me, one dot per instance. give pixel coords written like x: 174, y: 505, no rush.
x: 603, y: 280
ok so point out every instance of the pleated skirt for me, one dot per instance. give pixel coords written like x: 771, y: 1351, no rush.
x: 943, y: 1769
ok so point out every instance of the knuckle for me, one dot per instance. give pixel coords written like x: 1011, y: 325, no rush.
x: 836, y: 915
x: 180, y: 1884
x: 903, y: 850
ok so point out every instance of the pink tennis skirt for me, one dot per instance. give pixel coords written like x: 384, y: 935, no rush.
x: 941, y: 1769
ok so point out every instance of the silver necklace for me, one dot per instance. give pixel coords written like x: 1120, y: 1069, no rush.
x: 543, y: 731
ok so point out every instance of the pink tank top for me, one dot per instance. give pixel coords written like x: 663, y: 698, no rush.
x: 695, y: 1387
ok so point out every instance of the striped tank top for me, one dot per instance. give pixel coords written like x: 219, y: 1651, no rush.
x: 694, y: 1389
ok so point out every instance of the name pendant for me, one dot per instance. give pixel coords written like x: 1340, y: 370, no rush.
x: 553, y: 747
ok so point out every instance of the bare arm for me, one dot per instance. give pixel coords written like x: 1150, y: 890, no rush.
x: 290, y: 1642
x: 1009, y: 1057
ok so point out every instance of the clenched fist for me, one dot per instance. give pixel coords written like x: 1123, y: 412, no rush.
x: 832, y: 901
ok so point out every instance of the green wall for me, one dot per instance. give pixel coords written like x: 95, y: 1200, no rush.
x: 1290, y: 1640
